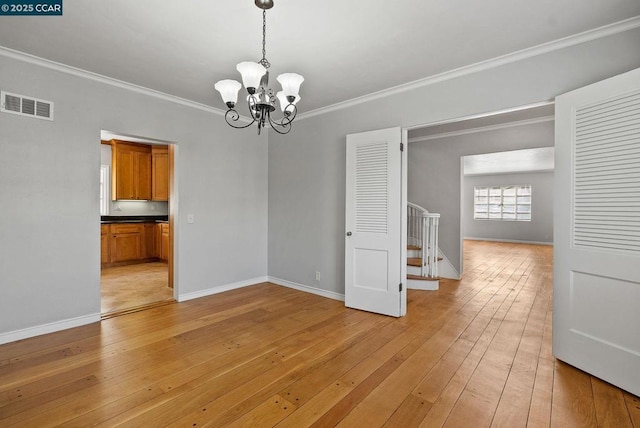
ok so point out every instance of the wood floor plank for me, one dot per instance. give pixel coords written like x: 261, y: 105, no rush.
x: 573, y: 404
x: 267, y: 414
x: 476, y: 353
x: 542, y: 395
x: 410, y: 412
x: 515, y: 400
x: 633, y: 407
x: 611, y: 409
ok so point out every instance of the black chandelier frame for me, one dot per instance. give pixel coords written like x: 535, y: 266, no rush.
x: 261, y: 101
x: 261, y: 104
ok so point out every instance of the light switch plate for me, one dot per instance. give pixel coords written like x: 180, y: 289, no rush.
x: 190, y: 218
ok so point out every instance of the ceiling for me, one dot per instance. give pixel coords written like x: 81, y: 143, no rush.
x: 344, y: 49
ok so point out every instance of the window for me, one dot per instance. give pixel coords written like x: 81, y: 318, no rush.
x: 104, y: 190
x: 502, y: 203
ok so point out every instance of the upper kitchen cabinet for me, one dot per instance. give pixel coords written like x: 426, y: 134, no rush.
x: 160, y: 173
x: 131, y: 177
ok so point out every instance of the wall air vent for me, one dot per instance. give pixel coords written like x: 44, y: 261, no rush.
x: 26, y: 106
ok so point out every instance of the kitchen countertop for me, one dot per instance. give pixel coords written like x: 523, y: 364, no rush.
x: 105, y: 219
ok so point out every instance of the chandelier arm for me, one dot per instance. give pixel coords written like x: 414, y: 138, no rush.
x: 288, y: 119
x: 234, y: 116
x: 275, y: 125
x: 293, y: 113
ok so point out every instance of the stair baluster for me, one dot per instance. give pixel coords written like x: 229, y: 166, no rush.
x: 422, y: 232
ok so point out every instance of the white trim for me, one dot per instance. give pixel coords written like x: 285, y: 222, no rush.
x: 512, y: 241
x: 483, y: 129
x: 576, y: 39
x: 423, y: 284
x: 529, y: 171
x: 221, y: 289
x: 307, y: 289
x: 53, y: 327
x: 445, y: 267
x: 63, y: 68
x: 105, y: 189
x: 481, y: 115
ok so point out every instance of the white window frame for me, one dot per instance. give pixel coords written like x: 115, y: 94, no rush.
x: 105, y: 189
x: 489, y: 202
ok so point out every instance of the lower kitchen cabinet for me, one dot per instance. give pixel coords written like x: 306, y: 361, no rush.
x: 149, y: 241
x: 162, y: 240
x: 129, y: 243
x: 126, y: 242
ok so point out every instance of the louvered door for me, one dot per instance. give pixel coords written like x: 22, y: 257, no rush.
x: 597, y: 238
x: 374, y: 222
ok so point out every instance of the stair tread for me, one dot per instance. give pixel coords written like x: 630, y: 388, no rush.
x: 413, y: 247
x: 423, y: 278
x: 416, y: 261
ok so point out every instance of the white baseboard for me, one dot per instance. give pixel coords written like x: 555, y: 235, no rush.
x: 308, y: 289
x: 39, y: 330
x: 511, y: 241
x: 418, y: 284
x: 221, y: 289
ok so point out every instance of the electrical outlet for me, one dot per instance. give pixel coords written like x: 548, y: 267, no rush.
x: 317, y: 276
x: 190, y: 218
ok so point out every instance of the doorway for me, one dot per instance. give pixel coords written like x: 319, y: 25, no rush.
x: 436, y: 178
x: 137, y: 206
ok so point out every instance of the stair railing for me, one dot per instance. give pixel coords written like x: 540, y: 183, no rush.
x: 422, y: 232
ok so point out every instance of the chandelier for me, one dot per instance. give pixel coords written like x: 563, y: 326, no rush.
x: 261, y: 99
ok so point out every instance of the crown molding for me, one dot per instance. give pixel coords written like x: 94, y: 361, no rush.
x: 590, y: 35
x: 576, y: 39
x: 482, y: 129
x: 74, y: 71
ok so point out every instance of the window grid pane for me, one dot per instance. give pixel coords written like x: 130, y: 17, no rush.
x: 502, y: 203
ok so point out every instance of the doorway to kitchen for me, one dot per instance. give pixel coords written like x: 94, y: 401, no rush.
x: 137, y: 206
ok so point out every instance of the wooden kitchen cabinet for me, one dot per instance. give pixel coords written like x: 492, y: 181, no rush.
x: 131, y: 175
x: 160, y: 173
x: 130, y: 243
x: 105, y: 239
x: 149, y: 248
x: 162, y: 240
x: 126, y: 242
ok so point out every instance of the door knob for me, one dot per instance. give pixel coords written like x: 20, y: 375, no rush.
x: 348, y: 233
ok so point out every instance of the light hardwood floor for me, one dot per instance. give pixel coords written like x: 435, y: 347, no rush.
x: 128, y: 288
x: 477, y: 353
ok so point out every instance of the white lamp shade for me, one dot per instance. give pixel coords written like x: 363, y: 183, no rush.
x: 251, y: 73
x: 228, y: 90
x: 284, y: 103
x: 290, y: 83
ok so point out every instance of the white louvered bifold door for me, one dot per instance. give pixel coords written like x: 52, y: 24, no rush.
x: 373, y: 220
x: 596, y: 318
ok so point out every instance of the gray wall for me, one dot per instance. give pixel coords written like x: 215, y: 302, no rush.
x: 539, y: 229
x: 49, y: 222
x: 435, y: 173
x: 307, y: 167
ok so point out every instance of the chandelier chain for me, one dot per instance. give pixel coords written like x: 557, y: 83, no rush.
x: 265, y: 63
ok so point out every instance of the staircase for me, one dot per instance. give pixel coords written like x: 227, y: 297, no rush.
x: 422, y: 248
